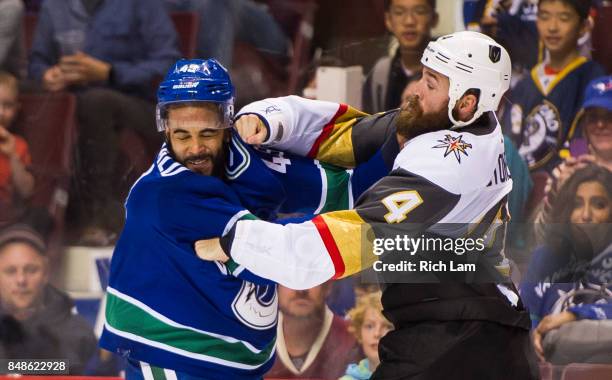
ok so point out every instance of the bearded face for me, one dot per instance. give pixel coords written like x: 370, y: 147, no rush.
x: 195, y: 139
x: 412, y: 121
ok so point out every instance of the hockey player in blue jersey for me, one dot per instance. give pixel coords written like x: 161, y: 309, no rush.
x: 168, y: 312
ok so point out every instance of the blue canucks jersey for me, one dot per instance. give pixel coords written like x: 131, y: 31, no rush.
x: 543, y: 108
x: 546, y: 288
x: 168, y: 308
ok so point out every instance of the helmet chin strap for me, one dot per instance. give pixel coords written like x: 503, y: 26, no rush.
x: 460, y: 124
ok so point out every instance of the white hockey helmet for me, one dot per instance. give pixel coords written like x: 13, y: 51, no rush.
x: 470, y: 60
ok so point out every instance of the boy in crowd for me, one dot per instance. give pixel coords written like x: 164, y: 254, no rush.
x: 16, y: 182
x: 545, y: 103
x: 410, y: 21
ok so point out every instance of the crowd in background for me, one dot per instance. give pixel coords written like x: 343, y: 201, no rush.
x: 111, y: 54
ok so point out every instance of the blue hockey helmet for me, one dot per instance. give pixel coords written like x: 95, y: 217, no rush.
x: 196, y: 80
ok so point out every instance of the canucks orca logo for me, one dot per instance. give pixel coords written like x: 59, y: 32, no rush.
x: 238, y: 159
x: 256, y: 305
x: 541, y: 133
x: 454, y: 145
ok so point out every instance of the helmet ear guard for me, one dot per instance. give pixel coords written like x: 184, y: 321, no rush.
x: 191, y: 81
x: 470, y: 60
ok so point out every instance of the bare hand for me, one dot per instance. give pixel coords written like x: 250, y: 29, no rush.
x: 7, y: 142
x: 568, y: 167
x: 550, y: 322
x: 81, y: 68
x: 210, y: 250
x: 251, y: 129
x: 53, y: 79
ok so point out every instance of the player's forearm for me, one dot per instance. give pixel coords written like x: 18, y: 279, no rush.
x: 312, y: 128
x: 292, y: 255
x: 293, y: 123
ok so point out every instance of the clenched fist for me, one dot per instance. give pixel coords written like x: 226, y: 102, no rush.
x: 210, y: 250
x: 251, y: 129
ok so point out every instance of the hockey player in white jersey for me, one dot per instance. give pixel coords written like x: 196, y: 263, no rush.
x: 449, y: 180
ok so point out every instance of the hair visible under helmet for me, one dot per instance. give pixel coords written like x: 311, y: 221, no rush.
x: 470, y: 60
x: 193, y: 81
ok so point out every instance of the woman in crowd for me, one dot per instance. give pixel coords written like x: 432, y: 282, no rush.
x: 569, y: 277
x: 591, y: 145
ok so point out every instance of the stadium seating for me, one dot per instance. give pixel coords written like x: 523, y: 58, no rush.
x: 546, y: 371
x: 539, y: 179
x: 276, y: 76
x: 29, y: 26
x: 582, y: 371
x: 602, y: 49
x: 187, y: 26
x: 47, y: 122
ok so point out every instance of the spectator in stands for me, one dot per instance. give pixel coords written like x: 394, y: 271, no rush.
x: 37, y: 320
x: 568, y: 278
x: 545, y: 103
x: 410, y: 22
x: 595, y: 123
x: 312, y: 342
x: 16, y: 182
x: 109, y: 52
x: 512, y: 23
x: 368, y: 325
x: 223, y: 21
x: 12, y: 56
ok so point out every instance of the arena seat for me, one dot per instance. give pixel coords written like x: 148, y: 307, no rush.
x: 546, y: 371
x: 47, y: 122
x: 583, y: 371
x: 258, y: 74
x: 539, y: 179
x: 29, y: 26
x: 187, y: 25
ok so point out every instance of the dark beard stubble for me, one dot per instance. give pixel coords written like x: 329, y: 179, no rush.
x: 412, y: 122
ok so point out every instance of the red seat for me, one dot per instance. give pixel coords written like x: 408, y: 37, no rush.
x: 539, y: 179
x: 583, y: 371
x: 29, y: 27
x: 546, y: 371
x: 47, y: 122
x: 602, y: 46
x: 187, y: 26
x: 297, y: 19
x: 278, y: 76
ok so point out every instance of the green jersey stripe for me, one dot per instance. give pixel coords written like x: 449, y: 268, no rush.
x: 338, y: 187
x: 126, y: 317
x: 158, y: 373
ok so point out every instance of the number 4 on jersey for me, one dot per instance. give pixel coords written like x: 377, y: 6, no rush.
x: 400, y: 204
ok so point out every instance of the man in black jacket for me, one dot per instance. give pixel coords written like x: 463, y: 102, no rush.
x: 37, y: 320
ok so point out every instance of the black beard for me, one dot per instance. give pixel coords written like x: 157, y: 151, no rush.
x: 218, y: 160
x: 412, y: 122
